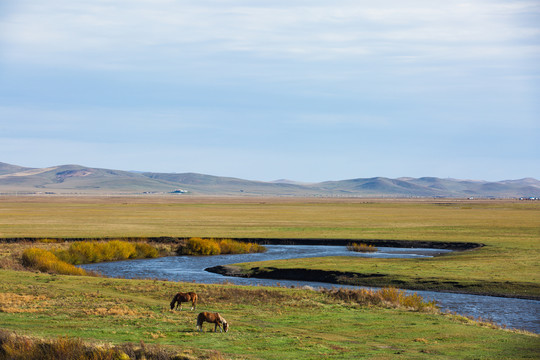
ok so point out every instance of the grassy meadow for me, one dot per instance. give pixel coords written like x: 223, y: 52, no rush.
x: 274, y: 323
x: 266, y: 323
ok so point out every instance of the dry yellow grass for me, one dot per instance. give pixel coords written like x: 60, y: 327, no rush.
x: 16, y: 303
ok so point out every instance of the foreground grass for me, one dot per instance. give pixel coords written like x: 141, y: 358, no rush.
x: 266, y: 323
x: 508, y: 264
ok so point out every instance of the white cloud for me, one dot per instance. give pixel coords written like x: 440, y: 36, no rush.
x: 100, y: 34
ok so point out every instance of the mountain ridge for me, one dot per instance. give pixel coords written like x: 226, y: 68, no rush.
x: 70, y: 179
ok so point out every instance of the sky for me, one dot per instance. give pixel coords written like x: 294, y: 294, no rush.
x: 270, y: 89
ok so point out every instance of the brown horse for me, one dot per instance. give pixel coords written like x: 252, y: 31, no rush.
x: 215, y: 318
x: 179, y: 298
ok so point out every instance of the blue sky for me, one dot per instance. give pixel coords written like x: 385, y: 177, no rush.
x: 263, y: 90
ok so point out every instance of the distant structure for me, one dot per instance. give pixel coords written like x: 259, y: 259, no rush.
x: 178, y: 191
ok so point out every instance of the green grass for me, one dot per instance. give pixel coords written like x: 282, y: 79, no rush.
x: 436, y: 274
x: 266, y: 323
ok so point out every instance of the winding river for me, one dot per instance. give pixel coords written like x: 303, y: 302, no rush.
x: 510, y: 312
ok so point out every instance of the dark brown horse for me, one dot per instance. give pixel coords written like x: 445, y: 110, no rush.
x: 215, y: 318
x: 179, y: 298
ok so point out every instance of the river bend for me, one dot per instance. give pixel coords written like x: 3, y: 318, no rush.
x: 510, y: 312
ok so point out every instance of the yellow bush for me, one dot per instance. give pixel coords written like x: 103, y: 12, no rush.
x: 361, y: 247
x: 145, y: 251
x: 198, y: 246
x: 46, y: 261
x: 84, y: 252
x: 117, y: 250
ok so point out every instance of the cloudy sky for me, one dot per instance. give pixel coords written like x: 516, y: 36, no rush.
x: 268, y: 89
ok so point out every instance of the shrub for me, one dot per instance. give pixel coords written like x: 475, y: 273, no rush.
x: 361, y: 247
x: 46, y: 261
x: 146, y: 251
x: 388, y: 297
x: 84, y: 252
x: 198, y: 246
x: 228, y: 246
x: 117, y: 250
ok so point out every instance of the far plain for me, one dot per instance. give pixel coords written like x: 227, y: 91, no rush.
x: 509, y: 229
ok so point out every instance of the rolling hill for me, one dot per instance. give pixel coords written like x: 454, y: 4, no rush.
x: 77, y: 179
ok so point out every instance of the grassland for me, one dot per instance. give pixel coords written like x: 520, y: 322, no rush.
x: 508, y: 265
x: 274, y: 323
x: 266, y: 323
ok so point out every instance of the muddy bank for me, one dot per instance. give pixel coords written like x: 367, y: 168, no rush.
x: 447, y: 245
x: 335, y: 277
x: 422, y: 244
x: 508, y: 290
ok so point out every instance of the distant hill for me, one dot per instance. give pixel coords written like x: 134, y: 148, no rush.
x: 77, y: 179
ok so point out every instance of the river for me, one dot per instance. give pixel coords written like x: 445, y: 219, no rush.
x: 510, y: 312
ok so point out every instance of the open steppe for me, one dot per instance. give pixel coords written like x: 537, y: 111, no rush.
x: 267, y: 321
x: 507, y: 265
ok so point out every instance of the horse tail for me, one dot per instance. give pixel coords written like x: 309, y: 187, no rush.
x: 195, y: 299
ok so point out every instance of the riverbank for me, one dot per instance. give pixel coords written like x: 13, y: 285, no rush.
x: 488, y: 288
x: 266, y: 323
x: 420, y: 244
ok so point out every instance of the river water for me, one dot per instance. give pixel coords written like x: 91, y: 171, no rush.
x: 510, y: 312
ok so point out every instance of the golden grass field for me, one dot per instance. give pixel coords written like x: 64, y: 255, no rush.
x: 510, y: 229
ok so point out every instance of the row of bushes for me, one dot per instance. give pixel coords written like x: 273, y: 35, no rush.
x: 60, y: 261
x: 85, y: 252
x: 198, y: 246
x: 388, y: 297
x: 361, y: 247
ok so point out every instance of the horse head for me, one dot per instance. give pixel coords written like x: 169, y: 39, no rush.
x: 224, y: 322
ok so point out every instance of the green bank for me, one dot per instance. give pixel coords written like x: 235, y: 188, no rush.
x: 266, y: 323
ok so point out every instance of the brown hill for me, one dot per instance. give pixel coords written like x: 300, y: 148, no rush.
x: 71, y: 179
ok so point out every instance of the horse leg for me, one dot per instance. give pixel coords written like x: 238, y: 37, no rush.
x: 192, y: 305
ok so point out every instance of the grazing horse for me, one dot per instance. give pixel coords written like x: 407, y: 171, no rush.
x: 212, y: 318
x: 179, y: 298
